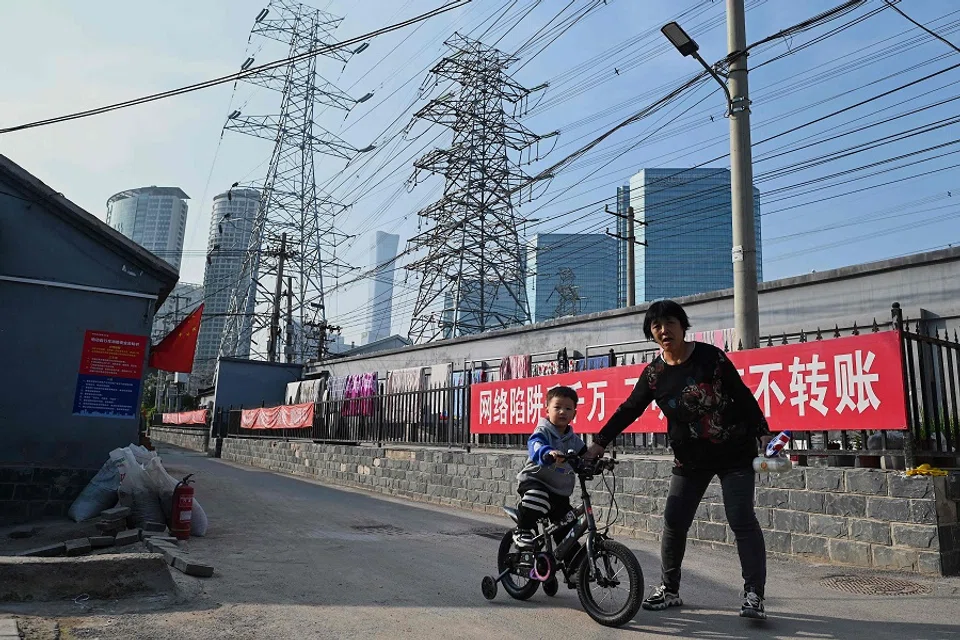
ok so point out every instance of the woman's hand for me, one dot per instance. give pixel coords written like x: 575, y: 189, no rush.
x: 595, y: 450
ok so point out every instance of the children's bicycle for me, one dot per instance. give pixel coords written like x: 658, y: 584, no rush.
x: 605, y: 573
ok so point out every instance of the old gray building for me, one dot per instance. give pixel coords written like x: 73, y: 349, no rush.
x: 78, y: 300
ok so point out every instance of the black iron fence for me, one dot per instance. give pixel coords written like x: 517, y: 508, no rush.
x: 440, y: 415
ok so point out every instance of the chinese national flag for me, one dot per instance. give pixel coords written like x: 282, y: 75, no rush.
x: 175, y: 352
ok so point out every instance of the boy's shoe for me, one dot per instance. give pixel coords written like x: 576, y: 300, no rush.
x: 661, y: 599
x: 752, y: 606
x: 524, y: 539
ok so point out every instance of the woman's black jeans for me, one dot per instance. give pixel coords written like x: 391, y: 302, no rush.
x: 682, y: 502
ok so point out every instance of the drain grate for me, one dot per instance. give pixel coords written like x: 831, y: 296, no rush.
x: 874, y: 586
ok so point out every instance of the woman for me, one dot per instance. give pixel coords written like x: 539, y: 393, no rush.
x: 713, y: 423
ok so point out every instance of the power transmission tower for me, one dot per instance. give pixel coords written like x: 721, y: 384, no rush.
x: 568, y: 294
x: 472, y: 266
x: 290, y: 203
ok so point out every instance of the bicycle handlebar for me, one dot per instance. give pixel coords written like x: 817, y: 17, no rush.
x: 589, y: 466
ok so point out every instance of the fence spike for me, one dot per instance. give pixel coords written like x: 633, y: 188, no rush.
x: 784, y: 338
x: 955, y: 336
x: 739, y: 344
x: 726, y: 347
x: 819, y: 335
x: 803, y: 336
x: 856, y: 331
x: 633, y: 359
x: 918, y: 328
x: 936, y: 333
x: 836, y: 331
x: 769, y: 341
x: 875, y: 328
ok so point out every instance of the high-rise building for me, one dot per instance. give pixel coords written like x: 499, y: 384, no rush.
x: 153, y: 217
x: 231, y: 227
x: 384, y: 252
x: 688, y: 232
x: 571, y: 274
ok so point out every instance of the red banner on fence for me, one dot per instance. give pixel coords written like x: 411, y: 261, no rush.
x: 851, y: 383
x: 291, y: 416
x: 186, y: 417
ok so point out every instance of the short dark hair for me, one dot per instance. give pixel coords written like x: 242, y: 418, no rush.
x: 563, y: 392
x: 661, y: 310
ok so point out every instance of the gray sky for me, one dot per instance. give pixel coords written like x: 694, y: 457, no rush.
x: 63, y: 56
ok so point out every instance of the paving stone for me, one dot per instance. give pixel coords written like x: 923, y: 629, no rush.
x: 49, y: 551
x: 100, y: 542
x: 111, y: 528
x: 77, y: 547
x: 192, y: 568
x: 154, y: 526
x: 9, y: 628
x: 128, y: 537
x: 116, y: 513
x: 23, y: 532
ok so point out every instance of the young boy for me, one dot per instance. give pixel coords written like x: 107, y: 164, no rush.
x: 547, y: 480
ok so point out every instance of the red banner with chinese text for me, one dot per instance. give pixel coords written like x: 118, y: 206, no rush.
x: 291, y: 416
x: 852, y: 383
x: 186, y: 417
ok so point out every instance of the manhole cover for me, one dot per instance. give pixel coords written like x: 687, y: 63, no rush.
x: 387, y: 529
x: 874, y: 586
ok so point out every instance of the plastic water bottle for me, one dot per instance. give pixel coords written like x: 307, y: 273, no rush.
x: 777, y: 444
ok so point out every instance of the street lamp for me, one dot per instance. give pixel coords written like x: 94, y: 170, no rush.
x: 746, y: 308
x: 687, y: 46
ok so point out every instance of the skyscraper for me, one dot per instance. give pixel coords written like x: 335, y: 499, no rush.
x: 571, y: 274
x: 153, y: 217
x: 231, y: 225
x: 384, y: 251
x: 688, y: 232
x: 623, y: 247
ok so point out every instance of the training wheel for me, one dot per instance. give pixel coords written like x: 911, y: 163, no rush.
x: 489, y: 587
x: 551, y: 586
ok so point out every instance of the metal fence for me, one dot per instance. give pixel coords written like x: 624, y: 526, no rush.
x: 440, y: 415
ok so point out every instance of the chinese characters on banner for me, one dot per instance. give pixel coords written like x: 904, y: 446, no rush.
x: 111, y: 367
x: 843, y: 383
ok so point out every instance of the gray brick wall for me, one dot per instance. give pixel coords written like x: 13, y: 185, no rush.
x: 192, y: 439
x: 28, y: 493
x: 862, y: 517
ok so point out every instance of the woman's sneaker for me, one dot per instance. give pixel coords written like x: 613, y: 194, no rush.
x: 524, y: 539
x: 661, y: 599
x: 752, y: 606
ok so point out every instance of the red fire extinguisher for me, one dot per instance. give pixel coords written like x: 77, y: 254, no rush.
x: 182, y: 515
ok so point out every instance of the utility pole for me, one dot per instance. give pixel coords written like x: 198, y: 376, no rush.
x: 275, y: 318
x: 631, y: 240
x: 289, y: 342
x: 746, y: 308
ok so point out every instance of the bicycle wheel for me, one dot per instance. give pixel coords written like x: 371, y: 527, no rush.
x: 518, y: 586
x: 613, y: 597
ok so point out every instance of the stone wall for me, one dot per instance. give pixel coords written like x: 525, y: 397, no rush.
x: 28, y: 494
x: 192, y: 439
x: 862, y: 517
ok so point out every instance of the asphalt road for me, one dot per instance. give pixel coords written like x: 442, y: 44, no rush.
x: 296, y: 559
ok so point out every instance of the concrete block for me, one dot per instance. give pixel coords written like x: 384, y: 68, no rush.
x: 772, y: 497
x: 910, y: 486
x: 116, y: 513
x: 828, y: 526
x: 917, y: 536
x: 23, y: 532
x: 128, y: 537
x: 892, y: 558
x: 923, y: 512
x: 889, y: 509
x: 813, y: 546
x: 792, y: 521
x: 807, y: 501
x: 929, y: 563
x: 101, y: 542
x: 824, y: 479
x: 778, y: 541
x: 847, y: 552
x: 77, y: 547
x: 192, y: 568
x: 845, y: 505
x: 868, y: 481
x: 870, y: 531
x: 111, y: 527
x: 795, y: 479
x: 49, y: 551
x: 9, y: 628
x: 157, y: 527
x: 712, y: 531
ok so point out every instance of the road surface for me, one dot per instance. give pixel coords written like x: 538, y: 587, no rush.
x: 296, y: 559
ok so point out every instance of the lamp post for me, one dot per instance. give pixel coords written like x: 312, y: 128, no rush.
x: 746, y: 309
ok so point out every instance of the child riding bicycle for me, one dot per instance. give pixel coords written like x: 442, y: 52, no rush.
x: 547, y: 480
